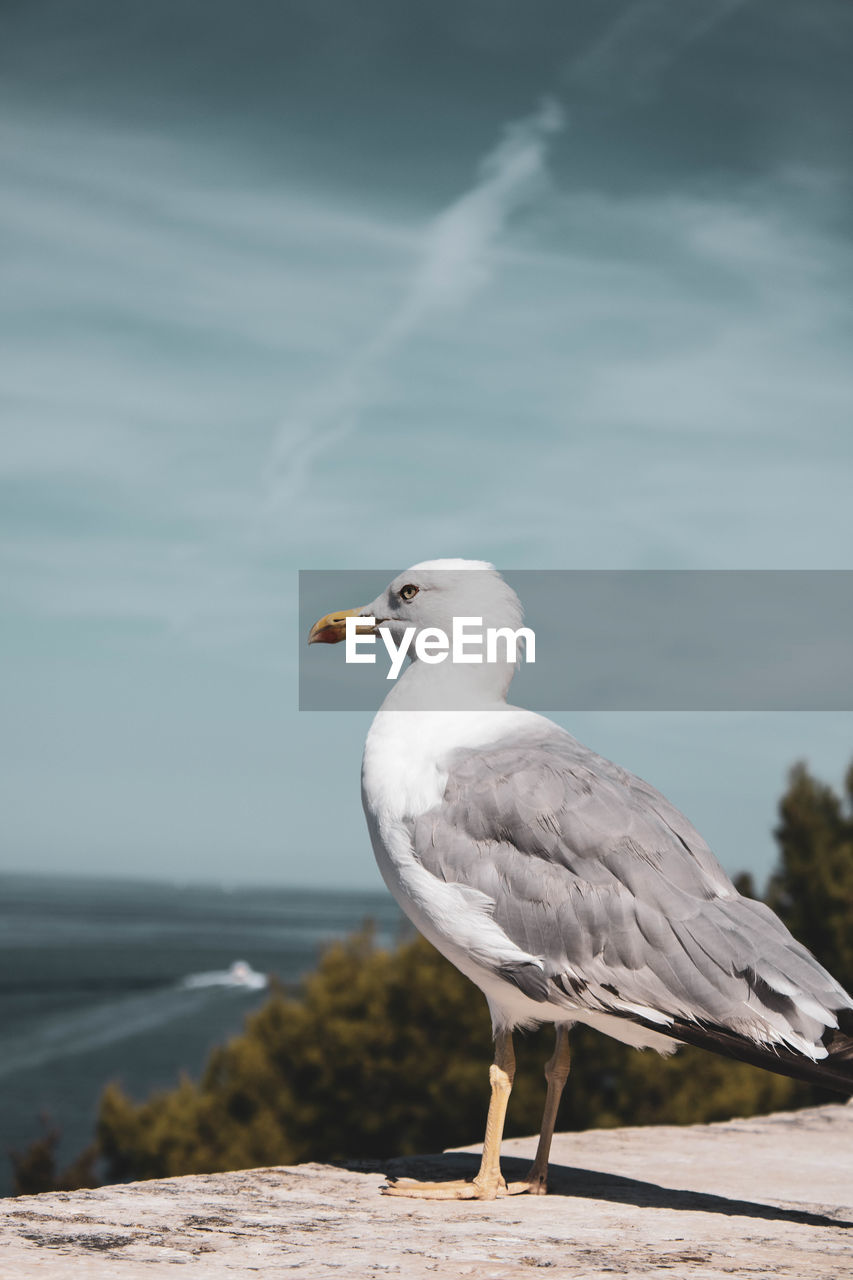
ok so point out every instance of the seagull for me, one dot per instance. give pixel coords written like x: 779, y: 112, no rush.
x: 569, y: 890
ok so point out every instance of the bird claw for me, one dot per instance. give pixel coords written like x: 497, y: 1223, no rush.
x: 457, y: 1189
x: 430, y: 1190
x: 534, y: 1187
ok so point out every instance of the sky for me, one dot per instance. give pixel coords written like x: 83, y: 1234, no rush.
x: 304, y: 284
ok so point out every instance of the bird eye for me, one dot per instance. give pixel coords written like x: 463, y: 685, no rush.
x: 409, y: 591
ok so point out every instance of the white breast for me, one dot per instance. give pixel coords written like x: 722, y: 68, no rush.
x: 403, y: 776
x: 404, y: 767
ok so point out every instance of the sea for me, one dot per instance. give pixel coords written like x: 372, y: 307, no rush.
x: 136, y: 982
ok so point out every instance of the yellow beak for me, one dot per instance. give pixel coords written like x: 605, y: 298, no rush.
x: 333, y: 627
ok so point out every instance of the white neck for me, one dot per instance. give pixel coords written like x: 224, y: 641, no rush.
x: 450, y: 686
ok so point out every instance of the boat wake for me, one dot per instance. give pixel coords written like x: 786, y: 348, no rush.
x: 239, y: 974
x: 64, y: 1035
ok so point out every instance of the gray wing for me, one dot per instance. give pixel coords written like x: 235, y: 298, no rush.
x: 594, y: 873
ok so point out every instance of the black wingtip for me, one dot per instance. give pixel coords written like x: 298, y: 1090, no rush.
x: 834, y: 1072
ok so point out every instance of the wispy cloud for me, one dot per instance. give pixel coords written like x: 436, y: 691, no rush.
x: 637, y: 48
x: 459, y: 256
x: 457, y: 259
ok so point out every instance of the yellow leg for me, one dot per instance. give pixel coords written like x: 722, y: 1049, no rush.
x: 488, y: 1182
x: 556, y: 1073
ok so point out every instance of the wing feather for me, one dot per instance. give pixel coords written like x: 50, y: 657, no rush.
x: 599, y: 877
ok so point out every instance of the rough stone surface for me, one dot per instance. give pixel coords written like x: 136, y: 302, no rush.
x: 764, y: 1197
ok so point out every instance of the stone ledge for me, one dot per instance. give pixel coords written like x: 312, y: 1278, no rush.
x: 772, y: 1196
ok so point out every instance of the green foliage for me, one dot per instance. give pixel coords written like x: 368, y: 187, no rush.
x: 812, y: 889
x: 383, y: 1053
x: 34, y: 1170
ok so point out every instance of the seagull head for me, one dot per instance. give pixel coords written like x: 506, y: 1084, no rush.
x: 430, y: 595
x: 438, y: 613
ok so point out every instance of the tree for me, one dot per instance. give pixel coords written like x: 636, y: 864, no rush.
x: 812, y: 888
x: 34, y: 1169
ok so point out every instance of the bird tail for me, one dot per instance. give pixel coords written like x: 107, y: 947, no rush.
x: 835, y: 1071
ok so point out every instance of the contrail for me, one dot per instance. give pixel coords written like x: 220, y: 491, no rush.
x: 642, y: 44
x: 458, y: 256
x: 457, y: 260
x: 456, y: 263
